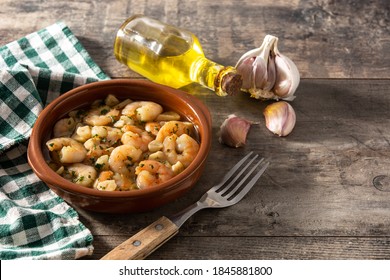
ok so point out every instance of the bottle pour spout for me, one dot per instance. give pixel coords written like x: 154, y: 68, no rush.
x: 232, y: 83
x: 228, y: 82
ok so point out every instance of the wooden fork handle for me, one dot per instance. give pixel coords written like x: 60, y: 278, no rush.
x: 144, y: 242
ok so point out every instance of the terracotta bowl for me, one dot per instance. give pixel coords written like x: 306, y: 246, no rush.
x: 187, y: 106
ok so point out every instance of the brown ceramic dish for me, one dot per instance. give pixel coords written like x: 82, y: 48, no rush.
x: 126, y: 201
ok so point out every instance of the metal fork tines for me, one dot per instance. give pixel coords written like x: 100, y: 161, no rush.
x: 233, y: 187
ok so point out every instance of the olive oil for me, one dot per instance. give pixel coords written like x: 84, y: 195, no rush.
x: 170, y: 56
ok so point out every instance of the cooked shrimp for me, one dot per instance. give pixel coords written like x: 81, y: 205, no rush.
x: 82, y: 133
x: 168, y: 116
x: 105, y: 175
x: 125, y: 182
x: 95, y: 148
x: 136, y: 137
x: 153, y: 127
x: 102, y: 146
x: 106, y: 134
x: 64, y: 127
x: 82, y: 174
x: 105, y: 182
x: 69, y: 150
x: 123, y: 157
x: 174, y: 127
x: 132, y: 127
x: 181, y: 148
x: 92, y: 143
x: 144, y: 111
x: 151, y: 173
x: 102, y: 115
x: 123, y: 120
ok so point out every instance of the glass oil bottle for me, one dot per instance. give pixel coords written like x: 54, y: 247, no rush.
x: 171, y: 56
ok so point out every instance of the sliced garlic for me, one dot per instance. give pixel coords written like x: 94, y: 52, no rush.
x: 280, y: 118
x: 233, y: 131
x: 267, y: 73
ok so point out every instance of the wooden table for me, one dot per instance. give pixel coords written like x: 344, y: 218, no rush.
x: 326, y: 194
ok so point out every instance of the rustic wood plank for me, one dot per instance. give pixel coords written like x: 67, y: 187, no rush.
x: 318, y: 197
x: 326, y: 39
x: 320, y: 178
x: 319, y: 183
x: 145, y: 242
x: 265, y: 248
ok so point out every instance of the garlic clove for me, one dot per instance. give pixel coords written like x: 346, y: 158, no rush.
x: 246, y: 71
x: 259, y: 58
x: 263, y: 50
x: 280, y: 118
x: 249, y: 54
x: 271, y: 73
x: 274, y: 76
x: 287, y: 77
x: 233, y: 131
x: 259, y: 72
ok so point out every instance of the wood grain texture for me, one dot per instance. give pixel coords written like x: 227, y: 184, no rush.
x: 317, y: 199
x: 263, y: 248
x: 145, y: 242
x: 326, y: 39
x: 319, y: 185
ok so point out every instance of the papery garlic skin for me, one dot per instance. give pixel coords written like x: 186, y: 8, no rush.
x: 280, y: 118
x: 258, y: 60
x: 287, y: 78
x: 268, y: 74
x: 233, y: 131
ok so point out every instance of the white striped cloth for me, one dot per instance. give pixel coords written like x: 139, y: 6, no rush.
x: 34, y: 222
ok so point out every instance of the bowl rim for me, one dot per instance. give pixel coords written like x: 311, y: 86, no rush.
x: 38, y: 163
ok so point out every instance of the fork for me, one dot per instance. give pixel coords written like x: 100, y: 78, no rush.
x: 227, y: 193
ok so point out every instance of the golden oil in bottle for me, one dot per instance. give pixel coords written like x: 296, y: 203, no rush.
x: 171, y: 56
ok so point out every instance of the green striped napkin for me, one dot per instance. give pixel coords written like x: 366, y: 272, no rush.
x: 34, y: 222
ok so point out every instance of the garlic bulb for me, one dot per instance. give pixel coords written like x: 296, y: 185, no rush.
x: 280, y: 118
x: 267, y: 73
x: 233, y: 131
